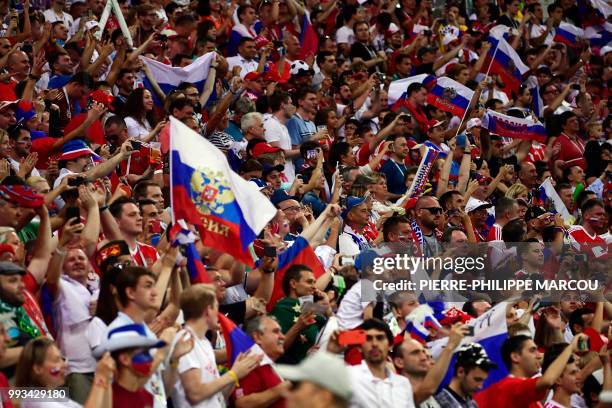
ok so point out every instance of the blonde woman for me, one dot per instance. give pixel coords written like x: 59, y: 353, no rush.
x: 518, y: 191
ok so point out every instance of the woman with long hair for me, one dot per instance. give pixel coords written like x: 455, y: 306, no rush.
x: 138, y: 113
x: 42, y: 365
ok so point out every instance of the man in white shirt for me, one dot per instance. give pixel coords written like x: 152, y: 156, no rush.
x: 374, y: 384
x: 245, y: 58
x: 56, y: 13
x: 345, y: 37
x: 200, y: 384
x: 356, y: 217
x: 276, y: 132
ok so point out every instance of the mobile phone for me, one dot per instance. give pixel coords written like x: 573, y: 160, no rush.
x: 76, y: 181
x: 316, y: 308
x: 270, y: 251
x: 352, y: 338
x: 73, y: 212
x: 347, y: 260
x: 311, y: 154
x: 136, y: 144
x: 155, y: 227
x: 575, y: 87
x: 584, y: 344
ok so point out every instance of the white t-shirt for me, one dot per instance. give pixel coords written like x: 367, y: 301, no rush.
x: 345, y: 35
x: 201, y: 357
x: 246, y: 65
x: 277, y: 132
x: 370, y: 392
x: 350, y: 312
x: 135, y: 129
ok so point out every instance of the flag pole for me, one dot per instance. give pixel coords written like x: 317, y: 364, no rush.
x: 113, y: 6
x: 470, y: 104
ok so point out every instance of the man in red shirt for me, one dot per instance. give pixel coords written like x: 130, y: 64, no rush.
x: 128, y: 217
x: 588, y: 237
x: 568, y: 149
x: 520, y: 388
x: 263, y: 386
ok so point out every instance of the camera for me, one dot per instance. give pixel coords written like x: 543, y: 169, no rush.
x: 135, y: 144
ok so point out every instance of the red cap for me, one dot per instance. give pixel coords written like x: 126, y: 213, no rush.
x: 251, y: 76
x: 263, y: 148
x: 102, y: 97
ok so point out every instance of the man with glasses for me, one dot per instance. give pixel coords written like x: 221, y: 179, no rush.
x: 428, y: 214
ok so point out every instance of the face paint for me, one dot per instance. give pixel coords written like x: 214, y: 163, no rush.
x: 142, y: 362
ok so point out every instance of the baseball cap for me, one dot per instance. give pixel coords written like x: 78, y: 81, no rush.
x: 352, y: 202
x: 263, y: 148
x: 9, y: 268
x: 604, y: 50
x: 252, y: 76
x: 435, y: 123
x: 322, y: 369
x: 74, y: 149
x: 281, y: 195
x: 544, y: 69
x: 534, y: 212
x: 25, y: 111
x: 474, y: 204
x: 6, y: 104
x: 474, y: 122
x: 128, y: 336
x: 22, y: 195
x: 110, y: 252
x: 474, y: 355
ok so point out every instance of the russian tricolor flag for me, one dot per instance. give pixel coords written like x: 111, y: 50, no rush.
x: 309, y: 40
x: 181, y: 235
x: 169, y: 77
x: 548, y: 193
x: 300, y: 252
x: 420, y: 322
x: 236, y: 341
x: 397, y: 89
x: 516, y: 128
x: 450, y: 96
x: 503, y: 60
x: 568, y: 34
x: 228, y: 211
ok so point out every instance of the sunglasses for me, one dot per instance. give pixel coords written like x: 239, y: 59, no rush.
x: 433, y: 210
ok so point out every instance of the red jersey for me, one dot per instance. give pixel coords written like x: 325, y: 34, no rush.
x: 363, y: 154
x: 145, y: 255
x: 259, y: 380
x: 511, y: 392
x: 586, y: 243
x: 569, y: 151
x: 495, y: 233
x: 124, y: 398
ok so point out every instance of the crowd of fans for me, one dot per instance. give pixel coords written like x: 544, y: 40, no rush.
x: 95, y: 294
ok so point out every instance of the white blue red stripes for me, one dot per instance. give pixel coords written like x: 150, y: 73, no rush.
x: 450, y: 96
x: 397, y: 89
x: 568, y: 34
x: 516, y: 128
x: 503, y: 60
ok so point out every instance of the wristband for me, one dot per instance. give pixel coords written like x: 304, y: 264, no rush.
x: 174, y: 364
x: 100, y: 382
x: 104, y: 207
x: 234, y: 376
x: 269, y: 270
x: 34, y: 77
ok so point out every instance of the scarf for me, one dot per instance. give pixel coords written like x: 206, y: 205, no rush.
x: 20, y: 325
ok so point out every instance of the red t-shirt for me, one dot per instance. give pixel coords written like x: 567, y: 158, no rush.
x: 495, y: 233
x: 124, y: 398
x: 95, y: 133
x: 572, y: 153
x: 363, y: 154
x: 511, y: 392
x: 259, y: 380
x: 145, y: 256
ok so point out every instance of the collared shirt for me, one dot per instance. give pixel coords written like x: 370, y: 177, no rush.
x: 246, y: 65
x: 351, y: 242
x: 371, y: 392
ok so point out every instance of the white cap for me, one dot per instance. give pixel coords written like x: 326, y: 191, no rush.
x: 323, y: 369
x: 474, y: 122
x: 474, y: 204
x: 604, y: 50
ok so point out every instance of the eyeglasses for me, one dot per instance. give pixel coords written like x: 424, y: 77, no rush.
x: 292, y: 208
x: 433, y: 210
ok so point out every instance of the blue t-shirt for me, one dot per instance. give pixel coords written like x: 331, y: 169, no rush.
x: 396, y: 174
x: 300, y: 130
x: 234, y: 131
x: 58, y: 81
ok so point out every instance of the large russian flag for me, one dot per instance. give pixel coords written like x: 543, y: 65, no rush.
x: 568, y: 34
x: 450, y: 96
x: 397, y: 89
x: 309, y: 40
x: 169, y: 77
x: 228, y: 211
x: 300, y: 252
x: 516, y: 128
x: 503, y: 60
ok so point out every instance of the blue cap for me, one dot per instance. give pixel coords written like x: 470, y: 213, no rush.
x: 281, y: 195
x: 351, y: 202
